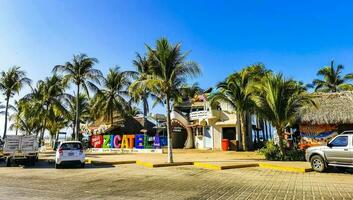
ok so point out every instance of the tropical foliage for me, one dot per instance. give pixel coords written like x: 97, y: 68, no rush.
x: 162, y: 76
x: 111, y: 99
x: 332, y: 79
x: 279, y: 101
x: 46, y: 101
x: 271, y: 151
x: 87, y: 114
x: 11, y: 82
x: 80, y: 71
x: 237, y: 91
x: 169, y: 71
x: 143, y: 71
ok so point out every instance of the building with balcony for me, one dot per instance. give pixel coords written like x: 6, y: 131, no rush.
x: 204, y: 126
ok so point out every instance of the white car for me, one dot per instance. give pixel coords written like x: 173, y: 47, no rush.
x: 70, y: 152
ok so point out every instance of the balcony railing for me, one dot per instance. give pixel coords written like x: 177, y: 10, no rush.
x: 198, y: 115
x: 205, y: 114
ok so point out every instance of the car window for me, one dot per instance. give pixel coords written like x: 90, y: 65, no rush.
x: 71, y: 146
x: 341, y: 141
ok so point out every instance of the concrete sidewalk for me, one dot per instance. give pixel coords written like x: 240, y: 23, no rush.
x: 216, y: 160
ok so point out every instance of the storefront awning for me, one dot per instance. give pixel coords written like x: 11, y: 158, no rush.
x: 230, y: 122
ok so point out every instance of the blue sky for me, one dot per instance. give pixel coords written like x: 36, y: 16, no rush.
x: 223, y: 36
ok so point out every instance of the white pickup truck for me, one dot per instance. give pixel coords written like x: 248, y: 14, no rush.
x: 20, y: 149
x: 337, y: 153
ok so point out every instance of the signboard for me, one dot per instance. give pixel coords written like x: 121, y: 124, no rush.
x: 121, y: 151
x: 138, y: 141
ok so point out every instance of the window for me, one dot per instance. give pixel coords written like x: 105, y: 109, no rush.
x: 71, y: 146
x: 341, y: 141
x: 199, y: 131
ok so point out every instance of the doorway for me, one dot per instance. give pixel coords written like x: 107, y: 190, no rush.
x: 229, y: 133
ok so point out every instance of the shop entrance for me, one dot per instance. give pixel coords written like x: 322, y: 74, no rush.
x: 179, y: 135
x: 229, y: 133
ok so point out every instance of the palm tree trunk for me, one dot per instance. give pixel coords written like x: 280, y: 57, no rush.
x: 77, y: 112
x: 145, y: 108
x: 280, y: 135
x: 6, y: 113
x: 265, y: 130
x: 169, y: 135
x: 73, y: 129
x: 238, y: 130
x: 44, y: 125
x: 243, y: 131
x: 111, y: 118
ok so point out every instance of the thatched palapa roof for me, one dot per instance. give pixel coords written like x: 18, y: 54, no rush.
x: 332, y: 108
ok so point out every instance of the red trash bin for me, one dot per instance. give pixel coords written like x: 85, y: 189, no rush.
x: 225, y: 144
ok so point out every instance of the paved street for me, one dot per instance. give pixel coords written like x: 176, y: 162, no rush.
x: 185, y: 182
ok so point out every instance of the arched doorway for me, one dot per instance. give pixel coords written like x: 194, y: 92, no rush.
x: 179, y: 134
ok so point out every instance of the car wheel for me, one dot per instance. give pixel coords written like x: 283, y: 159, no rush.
x: 82, y: 165
x: 317, y: 163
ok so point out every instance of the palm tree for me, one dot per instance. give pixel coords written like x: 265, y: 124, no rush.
x: 27, y: 119
x: 237, y: 91
x: 24, y: 119
x: 32, y: 108
x: 143, y: 70
x: 110, y: 99
x: 80, y: 71
x: 48, y: 98
x: 189, y: 92
x: 279, y: 100
x: 86, y: 114
x: 11, y: 82
x: 333, y: 80
x: 134, y: 111
x: 169, y: 71
x: 15, y: 117
x: 55, y: 124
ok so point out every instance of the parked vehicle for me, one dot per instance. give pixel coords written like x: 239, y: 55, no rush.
x: 70, y: 152
x: 337, y: 153
x: 20, y: 149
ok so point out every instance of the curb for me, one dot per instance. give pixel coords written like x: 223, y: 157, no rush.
x: 152, y: 165
x: 113, y: 162
x: 223, y: 167
x: 285, y: 168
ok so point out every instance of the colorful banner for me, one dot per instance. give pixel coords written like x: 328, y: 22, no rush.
x: 138, y: 141
x: 314, y: 139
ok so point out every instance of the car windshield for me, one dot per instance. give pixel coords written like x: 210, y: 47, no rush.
x: 71, y: 146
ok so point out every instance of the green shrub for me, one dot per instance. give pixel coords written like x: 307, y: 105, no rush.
x: 271, y: 151
x: 295, y: 155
